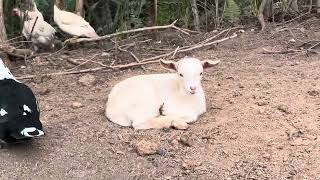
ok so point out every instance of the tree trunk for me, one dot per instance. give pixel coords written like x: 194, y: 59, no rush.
x: 155, y: 3
x: 59, y: 3
x: 3, y: 36
x: 318, y: 6
x: 196, y: 19
x: 79, y: 7
x: 152, y: 14
x: 260, y: 16
x: 217, y: 13
x: 293, y: 6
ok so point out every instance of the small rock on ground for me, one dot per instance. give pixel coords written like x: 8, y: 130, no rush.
x: 313, y: 93
x: 185, y: 140
x: 87, y: 80
x: 283, y: 108
x: 145, y: 148
x: 190, y: 164
x: 43, y: 91
x: 76, y: 105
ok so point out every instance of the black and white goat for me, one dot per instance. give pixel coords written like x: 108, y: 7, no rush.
x: 19, y: 111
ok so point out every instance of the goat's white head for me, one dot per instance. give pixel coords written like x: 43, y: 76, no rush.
x: 190, y: 71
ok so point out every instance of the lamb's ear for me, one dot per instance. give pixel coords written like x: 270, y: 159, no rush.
x: 208, y: 63
x: 169, y: 64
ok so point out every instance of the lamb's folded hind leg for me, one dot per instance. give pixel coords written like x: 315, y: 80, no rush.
x: 118, y: 119
x: 161, y: 122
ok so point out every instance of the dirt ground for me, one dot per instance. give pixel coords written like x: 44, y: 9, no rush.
x: 262, y: 120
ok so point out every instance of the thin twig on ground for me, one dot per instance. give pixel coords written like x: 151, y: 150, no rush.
x: 90, y: 70
x: 298, y: 17
x: 90, y: 59
x: 217, y: 35
x: 190, y: 31
x: 132, y: 54
x: 14, y: 38
x: 288, y: 51
x: 73, y: 61
x: 197, y: 46
x: 158, y: 49
x: 175, y: 52
x: 19, y: 53
x: 313, y: 46
x: 13, y: 43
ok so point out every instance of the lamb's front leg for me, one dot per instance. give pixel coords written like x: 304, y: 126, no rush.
x: 162, y: 122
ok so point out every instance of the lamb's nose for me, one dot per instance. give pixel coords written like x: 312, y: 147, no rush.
x: 193, y: 88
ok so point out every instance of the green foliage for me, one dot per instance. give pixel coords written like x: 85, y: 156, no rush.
x: 134, y: 11
x: 170, y: 10
x: 70, y: 5
x: 130, y: 14
x: 255, y: 4
x: 45, y: 7
x: 13, y: 25
x: 232, y: 11
x: 246, y: 6
x: 108, y: 16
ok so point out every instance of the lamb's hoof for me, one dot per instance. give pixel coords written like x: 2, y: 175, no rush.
x: 180, y: 125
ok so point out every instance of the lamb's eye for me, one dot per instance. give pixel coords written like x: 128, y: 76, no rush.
x: 180, y: 75
x: 200, y: 74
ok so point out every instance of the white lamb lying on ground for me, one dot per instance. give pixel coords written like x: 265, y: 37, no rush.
x: 160, y: 100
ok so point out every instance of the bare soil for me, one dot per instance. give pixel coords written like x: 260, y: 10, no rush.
x: 262, y: 120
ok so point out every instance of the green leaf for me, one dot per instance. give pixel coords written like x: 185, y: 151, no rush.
x: 232, y: 12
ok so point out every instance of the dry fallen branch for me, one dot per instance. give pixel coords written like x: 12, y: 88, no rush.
x: 14, y: 43
x: 90, y: 70
x: 209, y: 43
x: 298, y: 17
x: 139, y: 63
x: 217, y: 35
x: 190, y: 31
x: 19, y: 53
x: 81, y: 64
x: 132, y: 54
x: 190, y: 48
x: 157, y: 49
x: 288, y: 51
x: 172, y: 25
x: 73, y: 61
x: 126, y: 46
x: 63, y: 73
x: 311, y: 50
x: 21, y: 36
x: 315, y: 45
x: 175, y: 52
x: 129, y: 52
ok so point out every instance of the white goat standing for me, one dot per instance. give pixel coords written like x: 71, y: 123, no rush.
x: 160, y: 100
